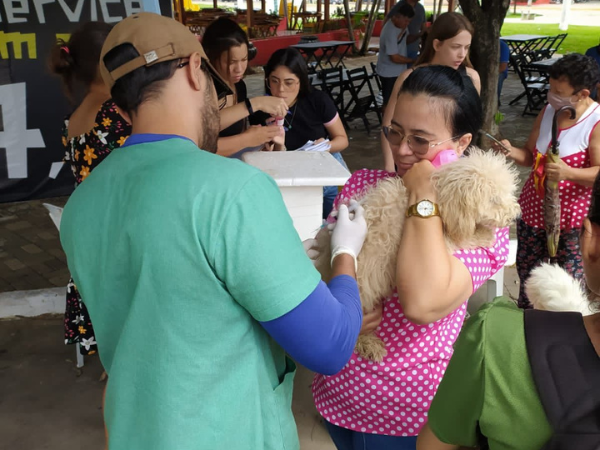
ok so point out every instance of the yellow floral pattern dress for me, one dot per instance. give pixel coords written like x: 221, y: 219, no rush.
x: 84, y: 153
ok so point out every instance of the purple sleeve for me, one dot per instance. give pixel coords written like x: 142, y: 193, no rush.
x: 321, y: 332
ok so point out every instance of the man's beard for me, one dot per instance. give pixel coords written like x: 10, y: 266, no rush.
x: 210, y: 122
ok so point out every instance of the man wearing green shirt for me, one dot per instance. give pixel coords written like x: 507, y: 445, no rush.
x: 488, y: 385
x: 194, y: 277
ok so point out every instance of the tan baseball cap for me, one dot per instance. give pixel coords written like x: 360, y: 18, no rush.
x: 157, y: 39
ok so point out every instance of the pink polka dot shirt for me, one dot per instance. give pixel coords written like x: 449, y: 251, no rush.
x: 575, y: 199
x: 392, y: 397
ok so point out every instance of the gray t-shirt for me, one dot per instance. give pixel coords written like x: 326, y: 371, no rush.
x: 414, y: 27
x: 392, y: 41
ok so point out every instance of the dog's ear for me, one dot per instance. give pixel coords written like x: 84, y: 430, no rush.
x: 458, y: 212
x: 476, y: 195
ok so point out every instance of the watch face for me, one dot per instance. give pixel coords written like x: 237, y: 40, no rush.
x: 425, y: 208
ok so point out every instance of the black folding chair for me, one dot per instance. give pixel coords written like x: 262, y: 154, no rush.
x: 556, y: 45
x: 535, y: 92
x: 538, y: 51
x: 362, y: 97
x: 374, y: 74
x: 379, y: 93
x: 334, y: 84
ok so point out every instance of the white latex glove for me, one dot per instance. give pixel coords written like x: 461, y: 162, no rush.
x: 349, y: 233
x: 311, y: 248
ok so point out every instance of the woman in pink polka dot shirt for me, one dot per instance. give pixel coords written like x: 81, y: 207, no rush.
x: 571, y: 80
x: 370, y: 405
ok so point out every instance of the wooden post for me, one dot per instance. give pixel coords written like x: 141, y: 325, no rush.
x: 181, y: 10
x: 388, y: 5
x: 327, y: 9
x: 319, y: 9
x: 249, y: 14
x: 215, y: 4
x: 437, y: 13
x: 262, y: 5
x: 451, y: 5
x: 370, y: 25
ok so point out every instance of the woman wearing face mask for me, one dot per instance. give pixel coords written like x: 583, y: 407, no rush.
x: 571, y: 80
x: 448, y: 43
x: 226, y: 46
x: 312, y: 115
x: 376, y: 406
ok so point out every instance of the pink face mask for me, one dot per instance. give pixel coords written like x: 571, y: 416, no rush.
x: 557, y: 102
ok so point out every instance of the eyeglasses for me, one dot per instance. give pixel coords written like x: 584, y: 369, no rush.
x: 277, y: 84
x: 417, y: 144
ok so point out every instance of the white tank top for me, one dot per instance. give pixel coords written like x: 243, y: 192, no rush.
x: 573, y: 139
x: 574, y: 142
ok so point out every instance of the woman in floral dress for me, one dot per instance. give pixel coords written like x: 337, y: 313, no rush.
x: 89, y: 134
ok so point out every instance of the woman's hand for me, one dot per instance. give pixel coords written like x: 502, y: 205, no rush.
x: 557, y: 171
x: 271, y: 105
x: 372, y: 319
x: 506, y: 148
x: 279, y: 140
x: 418, y: 181
x: 258, y: 135
x: 311, y: 247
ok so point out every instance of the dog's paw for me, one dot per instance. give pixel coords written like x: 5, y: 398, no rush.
x: 371, y: 347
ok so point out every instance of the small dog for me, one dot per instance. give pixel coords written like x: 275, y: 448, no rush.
x: 475, y: 195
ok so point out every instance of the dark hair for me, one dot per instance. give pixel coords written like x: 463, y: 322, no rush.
x: 220, y: 36
x: 293, y: 60
x: 133, y: 89
x: 446, y: 26
x: 582, y: 72
x: 465, y: 113
x: 76, y: 61
x: 594, y: 214
x: 405, y: 10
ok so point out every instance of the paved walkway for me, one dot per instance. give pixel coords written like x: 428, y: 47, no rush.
x: 587, y: 14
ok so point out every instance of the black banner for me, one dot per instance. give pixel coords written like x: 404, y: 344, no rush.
x: 32, y: 104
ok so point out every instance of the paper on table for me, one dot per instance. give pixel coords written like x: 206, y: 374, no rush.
x: 310, y: 146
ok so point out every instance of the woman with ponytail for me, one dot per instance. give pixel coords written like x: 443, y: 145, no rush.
x: 89, y: 134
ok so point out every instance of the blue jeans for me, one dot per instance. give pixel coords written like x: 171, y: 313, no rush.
x: 331, y: 192
x: 353, y: 440
x: 503, y: 76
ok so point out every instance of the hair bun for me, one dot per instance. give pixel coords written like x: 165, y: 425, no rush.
x: 61, y: 61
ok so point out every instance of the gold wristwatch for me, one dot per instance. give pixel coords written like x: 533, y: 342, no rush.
x: 424, y: 208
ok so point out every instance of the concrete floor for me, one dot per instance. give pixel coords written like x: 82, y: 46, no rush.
x: 46, y: 403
